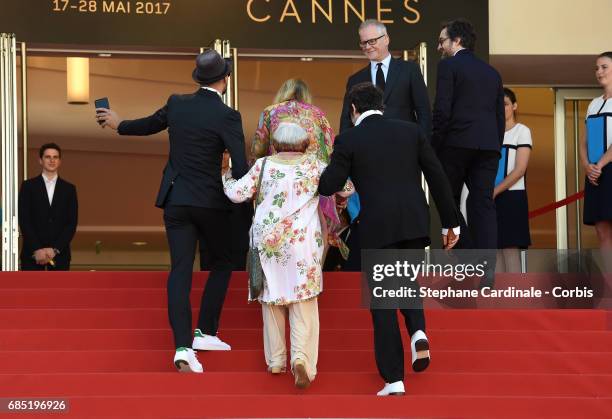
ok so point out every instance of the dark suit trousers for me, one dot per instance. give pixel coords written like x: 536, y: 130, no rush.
x: 184, y: 226
x: 353, y: 242
x: 241, y: 218
x: 477, y: 169
x: 388, y: 346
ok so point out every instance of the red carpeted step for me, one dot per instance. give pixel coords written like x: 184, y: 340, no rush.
x: 466, y: 340
x: 214, y: 383
x: 143, y: 298
x: 329, y: 360
x: 157, y: 298
x: 326, y: 406
x: 87, y: 280
x: 330, y: 319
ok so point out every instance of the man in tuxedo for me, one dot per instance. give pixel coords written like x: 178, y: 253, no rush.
x: 200, y: 128
x: 384, y: 158
x: 468, y: 129
x: 405, y: 97
x: 48, y: 213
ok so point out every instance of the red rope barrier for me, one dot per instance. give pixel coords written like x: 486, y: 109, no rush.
x: 553, y: 206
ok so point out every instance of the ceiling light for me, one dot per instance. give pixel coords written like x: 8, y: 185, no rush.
x: 306, y: 59
x: 105, y: 55
x: 77, y: 80
x: 140, y: 243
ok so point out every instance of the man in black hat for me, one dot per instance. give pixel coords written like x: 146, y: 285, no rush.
x: 200, y: 128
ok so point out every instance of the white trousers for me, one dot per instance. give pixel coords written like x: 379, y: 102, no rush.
x: 304, y: 326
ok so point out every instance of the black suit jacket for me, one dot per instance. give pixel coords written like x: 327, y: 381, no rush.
x: 384, y: 159
x: 469, y: 106
x: 43, y: 225
x: 200, y: 127
x: 405, y: 96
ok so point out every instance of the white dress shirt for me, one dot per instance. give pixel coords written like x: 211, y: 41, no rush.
x: 366, y: 114
x: 456, y: 230
x: 50, y: 185
x: 213, y: 90
x: 385, y: 68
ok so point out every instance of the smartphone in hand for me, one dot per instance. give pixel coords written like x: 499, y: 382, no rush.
x: 102, y: 103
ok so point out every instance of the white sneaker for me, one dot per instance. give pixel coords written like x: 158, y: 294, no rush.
x: 186, y: 360
x: 202, y: 342
x: 392, y: 389
x: 419, y: 346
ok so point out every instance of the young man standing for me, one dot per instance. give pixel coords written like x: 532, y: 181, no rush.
x: 48, y: 214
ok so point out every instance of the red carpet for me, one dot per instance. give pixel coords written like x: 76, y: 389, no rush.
x: 102, y: 341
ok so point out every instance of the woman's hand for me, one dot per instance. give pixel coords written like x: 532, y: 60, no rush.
x: 593, y: 171
x: 495, y: 192
x: 226, y: 173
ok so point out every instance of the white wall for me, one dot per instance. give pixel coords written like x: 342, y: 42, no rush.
x: 550, y: 27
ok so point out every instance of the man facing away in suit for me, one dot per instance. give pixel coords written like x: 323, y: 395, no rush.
x: 468, y: 129
x: 384, y: 158
x: 200, y: 128
x: 48, y: 214
x: 405, y: 97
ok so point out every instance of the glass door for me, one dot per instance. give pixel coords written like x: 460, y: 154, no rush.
x: 418, y: 54
x: 10, y: 151
x: 224, y: 48
x: 129, y: 234
x: 570, y: 112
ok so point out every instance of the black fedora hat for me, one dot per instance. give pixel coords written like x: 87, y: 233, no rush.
x: 211, y: 67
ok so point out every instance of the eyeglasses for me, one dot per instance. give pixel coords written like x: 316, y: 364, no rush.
x: 370, y: 42
x: 442, y: 40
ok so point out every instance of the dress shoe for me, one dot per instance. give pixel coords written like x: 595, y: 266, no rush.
x: 301, y: 376
x: 202, y: 342
x: 186, y: 360
x: 420, y: 351
x: 275, y: 369
x: 392, y: 389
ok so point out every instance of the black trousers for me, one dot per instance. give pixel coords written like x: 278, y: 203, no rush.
x: 240, y: 219
x: 353, y: 242
x: 477, y: 169
x: 388, y: 346
x: 184, y: 226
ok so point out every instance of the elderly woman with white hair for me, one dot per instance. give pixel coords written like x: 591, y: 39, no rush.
x: 287, y: 230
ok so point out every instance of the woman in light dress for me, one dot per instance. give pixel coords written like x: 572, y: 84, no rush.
x: 287, y: 231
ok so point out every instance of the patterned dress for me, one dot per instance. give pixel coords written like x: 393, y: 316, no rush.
x: 286, y: 228
x: 314, y: 121
x: 309, y: 117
